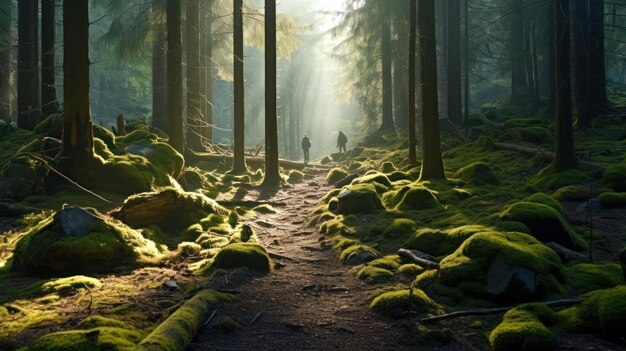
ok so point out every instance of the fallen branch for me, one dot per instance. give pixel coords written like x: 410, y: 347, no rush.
x: 546, y: 155
x: 414, y: 257
x: 489, y: 311
x: 250, y: 203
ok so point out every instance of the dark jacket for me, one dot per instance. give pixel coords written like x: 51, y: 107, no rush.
x: 342, y: 140
x: 306, y: 143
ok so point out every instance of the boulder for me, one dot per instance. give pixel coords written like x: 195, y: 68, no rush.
x: 566, y: 254
x: 338, y: 156
x: 335, y: 175
x: 20, y: 179
x: 507, y: 282
x: 346, y: 181
x: 478, y: 173
x: 357, y: 199
x: 170, y: 209
x: 80, y: 241
x: 237, y: 255
x: 416, y: 199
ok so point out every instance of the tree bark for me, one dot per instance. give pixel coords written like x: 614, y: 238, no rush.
x: 49, y: 104
x: 412, y: 82
x: 195, y: 119
x: 5, y: 62
x: 455, y: 111
x: 432, y: 162
x: 552, y: 87
x: 160, y: 119
x: 598, y: 101
x: 272, y: 173
x: 209, y: 71
x: 239, y: 159
x: 581, y: 61
x: 77, y: 125
x: 175, y: 76
x: 466, y: 63
x: 28, y: 101
x: 565, y: 157
x: 385, y: 47
x: 519, y: 84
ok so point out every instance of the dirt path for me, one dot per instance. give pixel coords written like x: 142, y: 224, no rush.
x: 313, y: 302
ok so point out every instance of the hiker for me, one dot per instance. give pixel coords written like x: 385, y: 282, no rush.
x: 306, y: 146
x: 342, y: 141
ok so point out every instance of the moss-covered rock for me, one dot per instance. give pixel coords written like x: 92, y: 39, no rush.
x: 21, y: 178
x: 442, y: 242
x: 550, y: 178
x: 387, y: 167
x: 612, y: 200
x: 295, y: 177
x: 545, y: 199
x: 544, y: 223
x: 395, y: 303
x: 357, y: 254
x: 191, y: 179
x: 374, y: 275
x: 170, y: 209
x: 614, y: 177
x: 79, y: 241
x: 251, y: 256
x: 335, y: 175
x: 478, y: 173
x: 523, y: 329
x: 585, y: 277
x: 360, y: 198
x: 66, y: 286
x: 104, y: 338
x: 416, y: 199
x: 105, y: 135
x: 374, y: 178
x: 400, y: 228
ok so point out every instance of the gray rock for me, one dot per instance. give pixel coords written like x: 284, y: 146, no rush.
x: 76, y: 221
x: 346, y: 181
x: 361, y: 201
x: 420, y: 258
x: 361, y: 257
x: 510, y: 284
x: 566, y: 254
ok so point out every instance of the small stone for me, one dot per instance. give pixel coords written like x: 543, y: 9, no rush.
x: 171, y: 285
x: 76, y: 221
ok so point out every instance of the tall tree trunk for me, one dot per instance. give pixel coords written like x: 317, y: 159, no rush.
x: 432, y: 162
x: 202, y: 79
x: 552, y: 87
x: 175, y: 76
x: 528, y: 60
x: 564, y: 148
x: 77, y: 125
x: 519, y: 84
x: 239, y: 158
x: 160, y: 119
x: 399, y: 92
x: 195, y: 119
x: 209, y: 71
x: 455, y: 111
x: 6, y: 8
x: 385, y: 47
x: 412, y: 82
x: 598, y: 101
x: 466, y: 63
x: 581, y: 61
x: 272, y: 173
x: 28, y: 102
x: 49, y: 104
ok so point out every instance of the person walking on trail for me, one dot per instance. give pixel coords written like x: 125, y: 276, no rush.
x: 306, y: 146
x: 342, y: 141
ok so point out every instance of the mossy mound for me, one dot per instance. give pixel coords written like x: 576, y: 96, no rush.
x: 107, y: 137
x: 585, y: 277
x: 535, y: 135
x: 377, y: 178
x: 614, y: 177
x: 51, y: 126
x: 335, y: 175
x: 400, y: 228
x: 360, y: 198
x: 21, y: 177
x: 573, y: 193
x: 66, y: 286
x: 442, y: 242
x: 374, y: 275
x: 549, y: 178
x: 478, y: 173
x: 357, y: 254
x: 486, y: 262
x: 523, y: 329
x: 544, y: 223
x: 395, y: 303
x: 602, y: 312
x: 417, y: 199
x: 191, y: 179
x: 545, y: 199
x: 104, y: 338
x: 79, y: 241
x: 387, y: 167
x: 612, y: 200
x: 252, y: 256
x: 170, y: 209
x: 295, y: 177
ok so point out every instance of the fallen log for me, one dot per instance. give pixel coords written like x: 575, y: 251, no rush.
x: 418, y: 258
x: 546, y: 155
x: 489, y: 311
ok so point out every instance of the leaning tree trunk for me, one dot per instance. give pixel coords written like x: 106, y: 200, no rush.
x: 581, y: 61
x: 412, y: 71
x: 28, y: 102
x: 49, y: 104
x: 432, y: 162
x: 385, y: 47
x: 272, y: 173
x: 159, y: 91
x: 455, y: 111
x: 598, y: 101
x: 564, y: 149
x: 195, y: 119
x: 519, y: 85
x: 5, y: 61
x: 239, y: 157
x: 175, y: 76
x: 77, y: 125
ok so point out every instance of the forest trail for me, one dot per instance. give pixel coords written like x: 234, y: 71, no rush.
x: 310, y: 301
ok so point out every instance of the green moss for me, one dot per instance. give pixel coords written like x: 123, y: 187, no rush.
x: 374, y: 178
x: 51, y: 126
x: 442, y: 242
x: 358, y: 199
x: 374, y: 275
x: 523, y: 329
x: 65, y: 286
x: 295, y: 177
x: 410, y: 269
x: 177, y: 331
x: 400, y: 228
x: 100, y: 321
x: 351, y: 253
x: 335, y: 175
x: 549, y: 178
x: 614, y: 177
x: 531, y: 134
x: 101, y: 149
x: 612, y: 200
x: 235, y: 255
x: 394, y: 303
x: 585, y: 277
x: 104, y: 338
x: 391, y: 262
x: 107, y: 137
x: 478, y: 173
x: 226, y: 324
x: 545, y: 223
x: 187, y: 249
x: 192, y: 179
x: 264, y: 209
x: 416, y: 199
x: 387, y: 167
x: 572, y: 193
x: 544, y: 199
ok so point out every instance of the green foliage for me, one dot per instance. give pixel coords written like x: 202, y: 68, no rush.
x: 416, y: 199
x: 252, y: 256
x: 523, y: 329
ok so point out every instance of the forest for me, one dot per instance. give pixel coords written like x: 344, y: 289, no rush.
x: 237, y: 175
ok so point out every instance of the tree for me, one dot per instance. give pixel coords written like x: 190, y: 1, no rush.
x: 49, y: 104
x: 581, y: 61
x: 432, y: 162
x: 519, y: 84
x: 195, y: 118
x: 598, y: 101
x: 455, y: 111
x: 28, y: 102
x: 412, y: 69
x: 272, y: 172
x: 77, y: 125
x: 239, y: 157
x: 6, y: 18
x: 385, y: 48
x: 564, y: 148
x: 159, y: 83
x: 175, y: 76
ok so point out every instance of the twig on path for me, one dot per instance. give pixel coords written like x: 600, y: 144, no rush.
x: 255, y: 318
x: 281, y: 257
x: 210, y: 318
